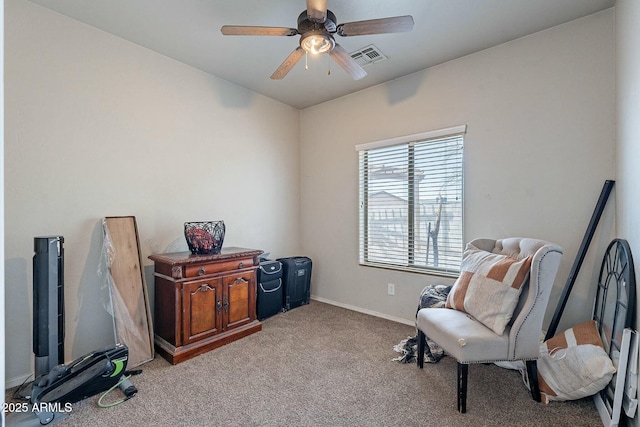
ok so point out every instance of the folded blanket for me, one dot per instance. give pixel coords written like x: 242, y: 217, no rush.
x: 432, y: 296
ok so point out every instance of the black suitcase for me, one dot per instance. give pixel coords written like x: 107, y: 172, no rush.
x: 270, y: 290
x: 296, y: 278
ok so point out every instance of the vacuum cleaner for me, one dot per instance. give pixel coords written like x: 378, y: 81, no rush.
x: 53, y: 393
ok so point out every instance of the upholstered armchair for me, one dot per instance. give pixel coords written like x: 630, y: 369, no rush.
x: 496, y: 307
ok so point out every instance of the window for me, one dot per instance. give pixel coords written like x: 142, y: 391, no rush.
x: 411, y: 202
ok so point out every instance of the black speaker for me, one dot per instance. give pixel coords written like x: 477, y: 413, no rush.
x: 48, y: 303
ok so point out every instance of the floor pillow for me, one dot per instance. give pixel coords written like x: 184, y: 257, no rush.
x: 573, y: 364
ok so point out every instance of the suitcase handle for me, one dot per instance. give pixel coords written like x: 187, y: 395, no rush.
x: 272, y: 290
x: 272, y: 271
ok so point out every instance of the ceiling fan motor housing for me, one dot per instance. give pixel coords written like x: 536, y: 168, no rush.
x: 305, y: 24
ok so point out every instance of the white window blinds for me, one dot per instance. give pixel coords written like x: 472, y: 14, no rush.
x: 411, y: 201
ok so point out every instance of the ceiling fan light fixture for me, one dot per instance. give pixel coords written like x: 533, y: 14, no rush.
x: 317, y: 42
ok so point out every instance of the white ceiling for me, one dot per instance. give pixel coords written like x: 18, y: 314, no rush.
x: 189, y: 31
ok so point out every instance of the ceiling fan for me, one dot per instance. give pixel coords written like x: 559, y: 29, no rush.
x: 316, y: 26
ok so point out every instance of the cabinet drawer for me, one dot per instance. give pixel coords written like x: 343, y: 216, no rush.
x: 197, y: 270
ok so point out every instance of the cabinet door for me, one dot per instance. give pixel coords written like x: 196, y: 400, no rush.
x: 240, y: 299
x: 201, y: 309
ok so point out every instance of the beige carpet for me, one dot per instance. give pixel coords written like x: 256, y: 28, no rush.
x: 320, y: 365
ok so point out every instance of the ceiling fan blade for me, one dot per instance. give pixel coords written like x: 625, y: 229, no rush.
x: 396, y: 24
x: 288, y: 64
x: 317, y: 10
x: 240, y: 30
x: 345, y: 60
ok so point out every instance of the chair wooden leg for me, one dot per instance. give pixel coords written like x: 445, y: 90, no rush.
x: 532, y: 375
x: 422, y: 339
x: 463, y: 370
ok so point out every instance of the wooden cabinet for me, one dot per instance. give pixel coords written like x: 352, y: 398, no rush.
x: 203, y: 301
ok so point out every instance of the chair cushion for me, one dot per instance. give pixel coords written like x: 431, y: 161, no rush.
x: 573, y: 364
x: 461, y: 336
x: 489, y: 286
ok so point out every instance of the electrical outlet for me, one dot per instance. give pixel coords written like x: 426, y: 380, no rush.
x: 391, y: 288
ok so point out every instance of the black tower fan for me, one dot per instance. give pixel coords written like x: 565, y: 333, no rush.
x: 48, y: 303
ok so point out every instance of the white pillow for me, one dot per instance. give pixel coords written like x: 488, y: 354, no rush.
x: 573, y: 364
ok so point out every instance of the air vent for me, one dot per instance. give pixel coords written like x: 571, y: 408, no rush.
x: 368, y: 55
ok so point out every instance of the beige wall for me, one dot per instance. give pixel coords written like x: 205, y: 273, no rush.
x: 539, y: 145
x: 627, y: 14
x: 97, y: 126
x: 2, y: 320
x: 628, y: 124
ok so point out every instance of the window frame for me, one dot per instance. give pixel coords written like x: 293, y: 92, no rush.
x: 363, y: 201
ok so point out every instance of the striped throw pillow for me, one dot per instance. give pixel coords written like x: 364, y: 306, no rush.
x: 489, y: 287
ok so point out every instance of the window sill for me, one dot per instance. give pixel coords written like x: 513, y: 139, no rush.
x: 409, y: 269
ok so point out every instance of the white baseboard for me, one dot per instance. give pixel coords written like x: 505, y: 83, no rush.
x: 364, y: 310
x: 18, y: 381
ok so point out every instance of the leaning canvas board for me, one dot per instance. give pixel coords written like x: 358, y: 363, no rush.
x: 630, y: 398
x: 129, y: 297
x: 610, y: 406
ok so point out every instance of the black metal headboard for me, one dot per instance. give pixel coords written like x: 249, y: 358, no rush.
x: 614, y: 304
